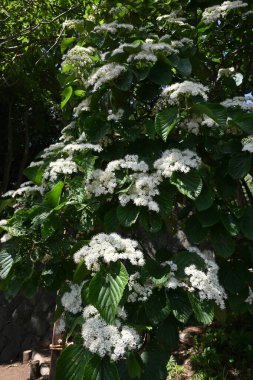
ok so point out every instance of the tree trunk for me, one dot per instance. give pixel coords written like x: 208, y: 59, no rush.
x: 25, y: 151
x: 9, y: 152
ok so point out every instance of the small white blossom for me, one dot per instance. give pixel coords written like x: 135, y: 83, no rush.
x: 101, y: 182
x: 175, y: 160
x: 113, y: 27
x: 115, y: 116
x: 103, y: 339
x: 83, y: 106
x: 243, y: 102
x: 60, y: 326
x: 73, y: 24
x: 138, y: 292
x: 3, y: 222
x: 78, y: 57
x: 213, y: 13
x: 104, y: 74
x: 6, y: 237
x: 249, y: 300
x: 79, y: 147
x: 109, y: 248
x: 72, y: 301
x: 247, y: 143
x: 61, y: 166
x: 174, y: 92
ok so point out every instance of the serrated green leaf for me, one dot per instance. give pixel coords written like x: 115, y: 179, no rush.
x: 111, y: 222
x: 100, y: 369
x: 134, y: 365
x: 203, y: 310
x: 239, y: 165
x: 6, y: 262
x: 157, y: 307
x: 247, y: 223
x: 71, y: 363
x: 194, y: 230
x: 189, y: 184
x: 223, y: 243
x: 127, y: 215
x: 215, y: 111
x: 208, y: 217
x: 244, y: 121
x: 165, y: 121
x: 180, y: 305
x: 106, y: 290
x: 205, y: 199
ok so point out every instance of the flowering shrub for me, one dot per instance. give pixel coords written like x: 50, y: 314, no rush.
x: 141, y: 214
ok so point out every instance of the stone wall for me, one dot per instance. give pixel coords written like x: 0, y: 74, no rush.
x: 25, y: 324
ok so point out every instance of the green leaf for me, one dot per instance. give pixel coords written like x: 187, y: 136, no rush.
x: 81, y: 273
x: 155, y: 359
x: 166, y: 199
x: 185, y: 259
x: 6, y: 262
x: 239, y: 165
x: 34, y: 174
x: 71, y: 363
x: 134, y: 365
x: 66, y: 42
x: 223, y: 243
x: 160, y: 73
x: 233, y: 276
x: 100, y: 369
x: 205, y: 199
x: 127, y: 215
x: 247, y: 223
x: 124, y: 82
x: 194, y: 230
x: 244, y: 121
x: 184, y: 66
x: 168, y: 334
x: 215, y: 111
x: 180, y: 305
x: 106, y: 290
x: 209, y: 218
x: 157, y: 307
x: 203, y: 310
x: 189, y: 184
x: 111, y: 222
x: 52, y: 198
x: 165, y: 121
x: 67, y: 93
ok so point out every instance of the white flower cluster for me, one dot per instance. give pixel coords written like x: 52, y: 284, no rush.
x: 206, y: 283
x: 149, y: 52
x: 80, y: 147
x: 113, y: 27
x: 60, y: 326
x: 195, y: 123
x: 175, y: 160
x: 78, y: 56
x: 3, y: 222
x: 173, y: 18
x: 72, y: 301
x: 109, y: 248
x: 141, y: 193
x: 243, y: 102
x: 247, y: 143
x: 249, y: 300
x: 26, y: 188
x: 115, y: 116
x: 182, y: 43
x: 174, y: 92
x: 103, y: 339
x: 6, y: 237
x: 105, y: 74
x: 84, y: 105
x: 61, y: 166
x: 73, y: 24
x: 52, y: 150
x: 213, y: 13
x: 101, y: 182
x: 230, y: 73
x: 138, y: 292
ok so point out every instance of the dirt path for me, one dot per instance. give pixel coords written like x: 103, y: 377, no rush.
x: 16, y: 371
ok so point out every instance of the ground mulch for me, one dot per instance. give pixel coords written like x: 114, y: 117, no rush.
x: 15, y: 371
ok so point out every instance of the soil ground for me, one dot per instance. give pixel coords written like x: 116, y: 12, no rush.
x: 16, y: 371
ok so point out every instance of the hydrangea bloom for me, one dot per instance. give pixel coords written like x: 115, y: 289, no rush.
x: 104, y: 74
x: 72, y: 301
x: 213, y: 13
x: 174, y: 92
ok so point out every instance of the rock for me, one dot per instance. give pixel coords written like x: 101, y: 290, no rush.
x: 5, y: 315
x: 10, y: 352
x: 44, y: 369
x: 39, y: 326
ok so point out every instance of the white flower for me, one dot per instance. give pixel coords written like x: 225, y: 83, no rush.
x: 243, y: 102
x: 109, y: 248
x: 115, y: 116
x: 247, y: 143
x: 60, y: 326
x: 249, y: 300
x: 78, y: 56
x: 186, y: 88
x: 104, y: 74
x: 6, y: 237
x: 3, y: 222
x: 103, y: 339
x: 101, y: 182
x: 173, y: 18
x: 79, y: 147
x: 61, y: 166
x: 149, y: 50
x: 175, y: 160
x: 141, y: 193
x: 73, y: 24
x: 72, y: 301
x: 113, y: 27
x: 213, y: 13
x: 138, y: 292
